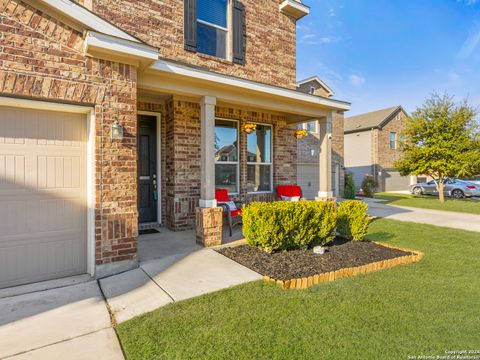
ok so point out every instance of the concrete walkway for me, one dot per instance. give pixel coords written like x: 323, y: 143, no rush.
x: 69, y: 319
x: 70, y: 322
x: 450, y: 219
x: 177, y: 277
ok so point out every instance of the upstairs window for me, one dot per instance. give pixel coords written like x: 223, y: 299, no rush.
x: 212, y: 27
x: 393, y: 140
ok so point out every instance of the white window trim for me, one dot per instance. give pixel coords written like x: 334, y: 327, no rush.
x: 228, y: 36
x: 238, y: 155
x: 264, y: 164
x: 394, y: 140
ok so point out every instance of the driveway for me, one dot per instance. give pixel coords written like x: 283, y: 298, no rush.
x: 451, y: 219
x: 70, y: 322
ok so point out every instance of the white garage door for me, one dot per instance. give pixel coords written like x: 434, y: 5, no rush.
x: 308, y: 180
x: 395, y: 182
x: 43, y: 215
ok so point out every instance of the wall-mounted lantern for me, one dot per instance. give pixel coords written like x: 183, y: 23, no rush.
x: 117, y: 131
x: 249, y: 128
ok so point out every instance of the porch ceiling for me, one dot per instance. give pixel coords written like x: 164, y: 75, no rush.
x: 166, y: 77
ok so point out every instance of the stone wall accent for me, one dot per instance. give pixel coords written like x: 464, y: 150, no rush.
x: 209, y: 226
x: 42, y: 59
x: 384, y: 156
x: 182, y: 168
x: 270, y: 43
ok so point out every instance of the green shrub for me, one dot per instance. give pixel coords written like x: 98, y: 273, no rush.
x: 352, y: 220
x: 350, y: 190
x: 285, y: 225
x: 368, y: 186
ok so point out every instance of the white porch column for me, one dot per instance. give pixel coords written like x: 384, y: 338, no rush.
x: 325, y: 158
x: 207, y: 155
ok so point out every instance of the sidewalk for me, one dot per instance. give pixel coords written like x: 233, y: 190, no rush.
x: 451, y: 219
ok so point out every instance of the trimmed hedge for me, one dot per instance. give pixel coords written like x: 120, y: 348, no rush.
x: 352, y: 220
x: 285, y: 225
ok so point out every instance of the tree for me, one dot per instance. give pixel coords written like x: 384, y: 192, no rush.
x: 442, y: 140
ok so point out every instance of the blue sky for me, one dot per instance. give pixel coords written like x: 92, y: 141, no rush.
x: 379, y: 53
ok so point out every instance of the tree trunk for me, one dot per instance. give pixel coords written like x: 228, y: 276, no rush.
x: 441, y: 195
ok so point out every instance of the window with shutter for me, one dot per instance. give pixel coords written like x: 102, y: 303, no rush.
x: 216, y: 28
x: 212, y: 27
x: 238, y: 19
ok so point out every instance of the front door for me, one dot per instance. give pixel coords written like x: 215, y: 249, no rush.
x: 147, y: 168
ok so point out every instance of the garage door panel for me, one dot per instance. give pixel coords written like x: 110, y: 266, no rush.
x: 395, y: 182
x: 46, y: 258
x: 43, y: 212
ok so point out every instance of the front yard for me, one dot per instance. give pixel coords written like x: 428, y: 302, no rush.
x: 431, y: 202
x: 419, y: 309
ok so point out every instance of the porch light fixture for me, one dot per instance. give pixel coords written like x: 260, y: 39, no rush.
x: 300, y: 134
x: 117, y: 131
x: 249, y: 128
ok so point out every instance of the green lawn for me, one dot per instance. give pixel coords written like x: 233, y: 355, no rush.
x: 431, y: 202
x: 424, y: 308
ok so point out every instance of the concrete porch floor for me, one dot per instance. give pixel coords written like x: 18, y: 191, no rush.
x: 167, y: 242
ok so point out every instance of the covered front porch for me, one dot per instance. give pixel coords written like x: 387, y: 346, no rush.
x: 203, y: 144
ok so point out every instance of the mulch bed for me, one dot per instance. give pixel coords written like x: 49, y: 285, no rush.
x: 304, y: 263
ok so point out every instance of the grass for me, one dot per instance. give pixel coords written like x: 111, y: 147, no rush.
x: 431, y: 202
x: 424, y: 308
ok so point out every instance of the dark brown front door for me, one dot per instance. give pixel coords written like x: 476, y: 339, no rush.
x: 147, y: 168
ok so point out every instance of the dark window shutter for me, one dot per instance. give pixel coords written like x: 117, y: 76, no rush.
x: 190, y: 25
x: 238, y: 28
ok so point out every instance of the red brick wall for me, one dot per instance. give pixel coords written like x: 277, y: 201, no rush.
x: 271, y: 37
x: 41, y: 59
x: 182, y: 173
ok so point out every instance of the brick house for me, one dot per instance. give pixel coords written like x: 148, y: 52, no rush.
x: 308, y: 147
x: 380, y: 135
x: 111, y: 115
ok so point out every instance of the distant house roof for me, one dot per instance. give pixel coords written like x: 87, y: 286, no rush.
x: 319, y: 81
x: 370, y: 120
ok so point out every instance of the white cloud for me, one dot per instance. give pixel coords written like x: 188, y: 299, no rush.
x: 471, y: 43
x: 356, y: 80
x: 468, y: 2
x: 454, y: 76
x: 314, y: 39
x: 331, y: 12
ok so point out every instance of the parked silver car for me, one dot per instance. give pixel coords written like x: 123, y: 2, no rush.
x: 455, y: 188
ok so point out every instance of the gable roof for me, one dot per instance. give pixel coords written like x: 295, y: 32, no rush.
x: 319, y: 81
x: 370, y: 120
x: 101, y: 37
x: 88, y: 19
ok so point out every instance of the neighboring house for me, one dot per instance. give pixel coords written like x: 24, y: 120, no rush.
x: 111, y: 112
x: 373, y: 143
x: 308, y: 147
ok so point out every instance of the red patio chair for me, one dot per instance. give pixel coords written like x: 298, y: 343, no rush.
x: 232, y: 209
x: 289, y: 192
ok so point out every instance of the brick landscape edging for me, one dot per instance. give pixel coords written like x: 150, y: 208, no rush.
x: 306, y: 282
